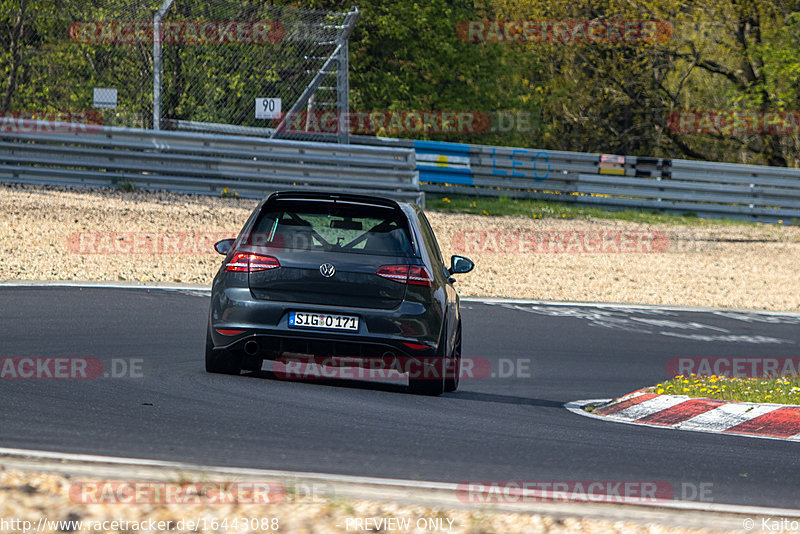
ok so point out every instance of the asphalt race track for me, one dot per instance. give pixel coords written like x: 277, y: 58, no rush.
x: 493, y: 429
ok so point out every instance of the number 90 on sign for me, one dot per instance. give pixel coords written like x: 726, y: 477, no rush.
x: 268, y: 108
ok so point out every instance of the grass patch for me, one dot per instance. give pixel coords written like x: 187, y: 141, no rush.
x: 545, y: 209
x: 780, y: 390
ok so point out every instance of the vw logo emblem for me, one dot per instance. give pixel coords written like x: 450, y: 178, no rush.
x: 327, y: 270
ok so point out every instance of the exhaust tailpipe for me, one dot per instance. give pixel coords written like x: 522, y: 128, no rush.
x: 251, y: 348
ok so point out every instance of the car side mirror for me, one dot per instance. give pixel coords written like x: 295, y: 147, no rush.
x: 224, y: 246
x: 460, y: 265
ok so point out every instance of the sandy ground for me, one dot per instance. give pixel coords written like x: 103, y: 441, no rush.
x: 90, y: 234
x: 32, y: 496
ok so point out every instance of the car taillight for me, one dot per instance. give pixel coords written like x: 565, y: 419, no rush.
x: 229, y: 331
x: 405, y: 274
x: 245, y: 262
x: 415, y: 346
x: 418, y: 276
x: 395, y: 273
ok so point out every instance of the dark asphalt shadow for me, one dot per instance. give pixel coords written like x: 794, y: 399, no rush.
x: 353, y: 384
x: 395, y: 388
x: 504, y: 399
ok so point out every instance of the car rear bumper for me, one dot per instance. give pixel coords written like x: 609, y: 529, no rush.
x: 410, y: 329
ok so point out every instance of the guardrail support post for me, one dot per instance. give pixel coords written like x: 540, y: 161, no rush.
x: 343, y: 75
x: 157, y: 64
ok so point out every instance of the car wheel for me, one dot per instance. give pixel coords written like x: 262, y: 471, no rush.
x: 452, y: 375
x: 431, y: 379
x: 220, y: 361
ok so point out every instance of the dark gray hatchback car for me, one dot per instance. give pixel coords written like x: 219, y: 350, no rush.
x: 337, y: 281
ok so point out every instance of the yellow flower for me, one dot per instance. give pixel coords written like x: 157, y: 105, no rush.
x: 485, y: 212
x: 660, y: 390
x: 445, y: 199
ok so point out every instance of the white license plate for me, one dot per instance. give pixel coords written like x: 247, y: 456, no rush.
x: 323, y: 320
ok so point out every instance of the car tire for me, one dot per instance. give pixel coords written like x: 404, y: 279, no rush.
x: 221, y: 361
x: 432, y: 373
x: 428, y: 383
x: 452, y: 376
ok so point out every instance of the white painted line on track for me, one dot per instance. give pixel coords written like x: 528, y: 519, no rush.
x: 91, y: 458
x: 104, y: 284
x: 479, y: 300
x: 623, y: 306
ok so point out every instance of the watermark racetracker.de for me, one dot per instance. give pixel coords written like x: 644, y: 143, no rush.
x: 408, y: 122
x: 607, y: 491
x: 560, y: 242
x: 734, y: 367
x: 147, y: 243
x: 180, y: 493
x: 47, y: 121
x: 69, y: 368
x: 726, y: 122
x: 573, y: 31
x: 180, y: 31
x: 394, y: 368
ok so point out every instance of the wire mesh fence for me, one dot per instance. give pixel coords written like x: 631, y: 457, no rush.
x: 220, y: 65
x: 56, y: 52
x: 245, y: 65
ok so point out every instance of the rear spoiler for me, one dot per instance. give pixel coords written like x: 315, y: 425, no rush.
x: 333, y: 197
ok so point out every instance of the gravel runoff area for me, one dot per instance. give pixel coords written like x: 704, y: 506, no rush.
x: 52, y: 233
x: 92, y: 503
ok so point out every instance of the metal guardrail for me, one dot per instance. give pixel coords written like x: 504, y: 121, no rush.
x: 706, y: 189
x: 188, y: 162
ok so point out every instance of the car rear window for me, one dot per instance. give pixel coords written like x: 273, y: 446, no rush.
x: 333, y: 226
